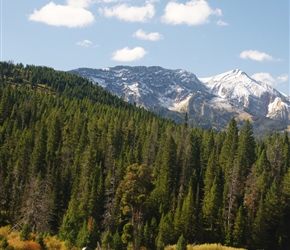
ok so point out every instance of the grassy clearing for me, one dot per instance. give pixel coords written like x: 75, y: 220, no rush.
x: 205, y: 247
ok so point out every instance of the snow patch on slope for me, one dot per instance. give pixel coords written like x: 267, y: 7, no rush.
x: 181, y: 105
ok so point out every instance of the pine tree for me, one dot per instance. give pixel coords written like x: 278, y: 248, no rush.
x: 275, y: 155
x: 181, y: 243
x: 211, y: 211
x: 273, y: 214
x: 83, y: 237
x: 117, y: 241
x: 239, y: 229
x: 258, y: 233
x: 133, y: 192
x: 286, y: 217
x: 25, y: 232
x: 38, y: 162
x: 245, y: 155
x: 230, y: 175
x: 165, y: 232
x: 188, y: 215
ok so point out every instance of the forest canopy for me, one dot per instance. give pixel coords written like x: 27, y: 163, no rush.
x: 82, y: 164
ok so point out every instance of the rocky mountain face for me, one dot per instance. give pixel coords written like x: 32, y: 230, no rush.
x: 210, y: 102
x: 256, y: 98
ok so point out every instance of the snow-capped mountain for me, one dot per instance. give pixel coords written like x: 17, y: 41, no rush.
x: 148, y: 87
x: 244, y: 92
x: 233, y: 93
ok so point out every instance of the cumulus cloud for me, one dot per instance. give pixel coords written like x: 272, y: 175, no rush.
x: 72, y: 16
x: 79, y: 3
x: 268, y: 79
x: 84, y: 43
x: 107, y: 1
x: 129, y: 13
x: 128, y: 55
x: 194, y: 12
x: 153, y: 36
x: 256, y: 55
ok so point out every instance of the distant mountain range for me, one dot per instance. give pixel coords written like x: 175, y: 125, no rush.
x: 209, y: 102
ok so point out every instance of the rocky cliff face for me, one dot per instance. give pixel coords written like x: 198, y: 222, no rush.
x: 229, y: 94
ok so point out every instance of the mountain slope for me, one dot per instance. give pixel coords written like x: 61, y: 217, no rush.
x: 256, y: 97
x: 147, y: 86
x: 210, y: 102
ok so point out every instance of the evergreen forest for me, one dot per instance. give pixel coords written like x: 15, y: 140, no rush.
x: 82, y: 164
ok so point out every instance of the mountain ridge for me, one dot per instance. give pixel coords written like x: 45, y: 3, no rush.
x: 232, y: 93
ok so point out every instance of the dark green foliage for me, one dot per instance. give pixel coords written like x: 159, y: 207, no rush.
x: 39, y: 240
x: 80, y: 163
x: 4, y: 244
x: 181, y: 243
x: 25, y: 232
x: 107, y: 240
x: 117, y: 241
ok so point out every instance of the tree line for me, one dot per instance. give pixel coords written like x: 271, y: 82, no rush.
x: 80, y: 163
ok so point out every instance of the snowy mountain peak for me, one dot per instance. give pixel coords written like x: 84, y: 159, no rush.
x: 244, y: 92
x: 232, y: 92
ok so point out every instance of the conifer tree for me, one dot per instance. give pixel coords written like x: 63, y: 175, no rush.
x: 165, y: 232
x: 275, y: 155
x: 258, y: 232
x: 230, y: 175
x: 189, y: 216
x: 38, y: 162
x: 177, y: 222
x: 286, y: 201
x: 239, y: 229
x: 83, y: 237
x: 286, y: 152
x: 273, y: 208
x: 211, y: 211
x: 117, y: 241
x: 181, y: 243
x: 133, y: 192
x: 245, y: 154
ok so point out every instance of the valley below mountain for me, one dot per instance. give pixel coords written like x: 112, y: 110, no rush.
x: 210, y: 102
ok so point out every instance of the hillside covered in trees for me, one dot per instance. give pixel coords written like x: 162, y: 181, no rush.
x: 80, y: 163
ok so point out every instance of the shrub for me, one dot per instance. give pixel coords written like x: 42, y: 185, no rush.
x: 54, y: 244
x: 4, y: 243
x: 25, y: 232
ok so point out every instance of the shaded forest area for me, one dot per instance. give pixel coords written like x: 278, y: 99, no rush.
x: 80, y: 163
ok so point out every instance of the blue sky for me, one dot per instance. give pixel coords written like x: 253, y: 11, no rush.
x: 204, y: 37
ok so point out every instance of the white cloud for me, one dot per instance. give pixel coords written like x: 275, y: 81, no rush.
x: 221, y: 23
x: 107, y: 1
x: 153, y: 36
x: 264, y: 77
x: 63, y: 15
x: 128, y: 55
x: 270, y: 80
x: 84, y: 43
x: 194, y: 12
x: 130, y: 13
x: 283, y: 78
x: 79, y: 3
x: 256, y: 55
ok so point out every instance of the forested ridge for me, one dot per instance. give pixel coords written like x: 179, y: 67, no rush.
x: 82, y: 164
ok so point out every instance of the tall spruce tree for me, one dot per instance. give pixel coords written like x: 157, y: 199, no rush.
x: 230, y: 174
